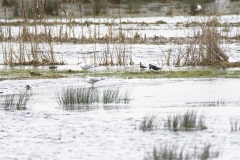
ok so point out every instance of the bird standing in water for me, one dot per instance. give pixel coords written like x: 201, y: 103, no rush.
x: 93, y: 80
x: 86, y: 66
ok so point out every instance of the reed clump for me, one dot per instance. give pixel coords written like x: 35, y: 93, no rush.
x: 149, y: 122
x: 78, y: 98
x: 167, y: 151
x: 235, y: 123
x: 83, y: 99
x: 188, y: 120
x: 16, y: 101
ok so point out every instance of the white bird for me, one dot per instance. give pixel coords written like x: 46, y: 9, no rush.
x: 86, y: 66
x: 198, y: 7
x: 93, y: 80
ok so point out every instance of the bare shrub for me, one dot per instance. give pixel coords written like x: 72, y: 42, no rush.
x: 205, y: 47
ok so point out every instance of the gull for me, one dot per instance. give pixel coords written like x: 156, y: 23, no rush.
x: 93, y: 80
x: 153, y: 67
x: 86, y: 66
x: 142, y: 66
x: 198, y: 7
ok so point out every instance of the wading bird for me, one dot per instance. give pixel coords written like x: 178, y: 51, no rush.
x: 153, y: 67
x: 86, y: 66
x: 53, y: 67
x: 34, y: 73
x: 142, y: 66
x: 93, y: 80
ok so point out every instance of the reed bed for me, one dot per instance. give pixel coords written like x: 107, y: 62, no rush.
x: 203, y: 47
x: 188, y: 120
x: 78, y: 98
x: 149, y: 122
x: 167, y: 151
x: 84, y: 99
x: 235, y: 123
x: 115, y: 96
x: 16, y: 101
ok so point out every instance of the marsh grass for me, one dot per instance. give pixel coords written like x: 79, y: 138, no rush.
x: 188, y: 120
x: 83, y: 99
x: 217, y: 103
x: 164, y: 152
x: 234, y: 124
x: 116, y: 95
x: 149, y: 122
x: 206, y: 152
x: 167, y: 151
x: 77, y: 98
x: 16, y: 101
x: 15, y: 73
x: 111, y: 96
x: 204, y: 48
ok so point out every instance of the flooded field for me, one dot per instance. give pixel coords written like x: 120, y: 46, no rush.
x: 46, y: 131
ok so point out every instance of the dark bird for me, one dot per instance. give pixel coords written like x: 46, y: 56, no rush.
x: 28, y: 87
x: 154, y: 68
x: 142, y: 66
x: 34, y: 73
x: 53, y: 67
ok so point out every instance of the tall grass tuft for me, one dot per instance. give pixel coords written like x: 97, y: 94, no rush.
x: 79, y: 98
x: 168, y: 151
x: 165, y: 152
x: 114, y: 96
x: 173, y: 122
x: 111, y: 96
x: 16, y: 101
x: 82, y: 99
x: 149, y: 122
x: 189, y: 120
x: 206, y: 152
x: 234, y: 124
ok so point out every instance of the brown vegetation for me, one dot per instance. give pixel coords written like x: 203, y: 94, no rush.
x: 34, y: 44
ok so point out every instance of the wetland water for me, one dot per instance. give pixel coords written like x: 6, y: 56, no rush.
x: 44, y: 131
